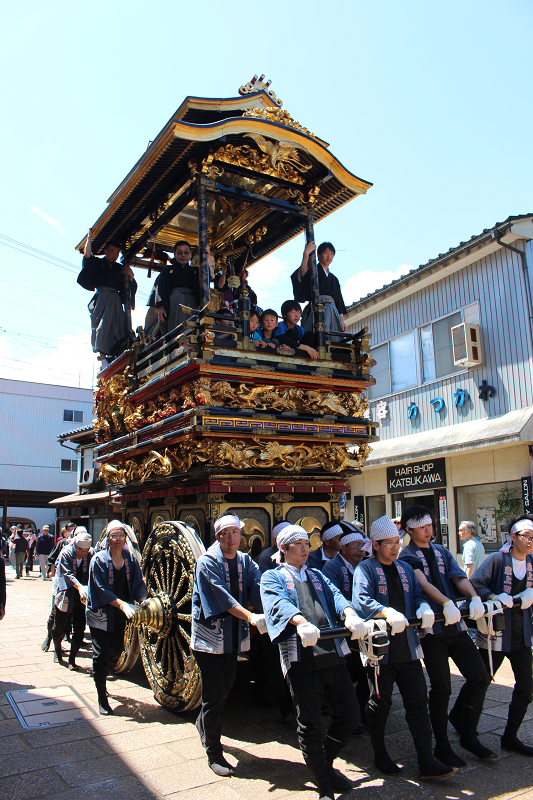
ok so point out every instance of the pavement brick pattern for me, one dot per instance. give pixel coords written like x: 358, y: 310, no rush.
x: 144, y: 752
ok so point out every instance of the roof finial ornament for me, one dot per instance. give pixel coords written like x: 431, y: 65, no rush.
x: 258, y: 85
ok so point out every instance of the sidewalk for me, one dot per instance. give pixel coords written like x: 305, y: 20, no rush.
x: 145, y: 752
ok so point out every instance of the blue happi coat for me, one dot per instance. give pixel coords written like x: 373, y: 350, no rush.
x: 338, y: 572
x: 448, y: 569
x: 280, y: 604
x: 64, y: 586
x: 371, y: 595
x: 211, y: 600
x: 495, y: 576
x: 100, y: 612
x: 316, y: 559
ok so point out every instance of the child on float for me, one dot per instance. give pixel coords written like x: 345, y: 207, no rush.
x: 269, y: 322
x: 290, y: 333
x: 255, y: 334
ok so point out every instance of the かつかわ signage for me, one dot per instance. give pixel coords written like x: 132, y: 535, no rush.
x: 418, y: 475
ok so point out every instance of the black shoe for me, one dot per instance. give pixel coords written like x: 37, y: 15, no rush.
x: 386, y: 765
x: 103, y: 704
x: 339, y: 782
x: 221, y: 767
x: 73, y: 666
x: 447, y: 756
x: 45, y: 647
x: 357, y: 732
x: 429, y: 768
x: 514, y: 745
x: 471, y: 743
x: 58, y: 658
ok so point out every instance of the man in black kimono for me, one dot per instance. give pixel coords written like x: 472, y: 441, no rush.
x: 177, y: 284
x: 328, y: 285
x: 107, y: 307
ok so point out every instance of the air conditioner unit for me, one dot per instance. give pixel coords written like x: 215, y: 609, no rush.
x: 87, y: 477
x: 466, y: 341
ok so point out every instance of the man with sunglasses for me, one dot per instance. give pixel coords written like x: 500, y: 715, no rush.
x: 386, y: 589
x: 504, y: 576
x: 441, y: 579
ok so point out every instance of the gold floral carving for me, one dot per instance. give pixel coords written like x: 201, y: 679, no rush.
x: 279, y: 115
x: 207, y: 392
x: 239, y: 455
x: 278, y: 159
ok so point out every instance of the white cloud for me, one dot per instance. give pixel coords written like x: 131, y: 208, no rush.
x: 47, y: 218
x: 270, y: 279
x: 70, y: 363
x: 367, y: 281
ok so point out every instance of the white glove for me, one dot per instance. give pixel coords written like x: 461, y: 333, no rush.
x: 234, y: 282
x: 426, y: 614
x: 476, y: 609
x: 526, y: 597
x: 396, y: 620
x: 144, y: 602
x: 128, y: 609
x: 308, y: 633
x: 452, y: 615
x: 355, y: 625
x: 83, y: 591
x: 505, y: 599
x: 259, y: 621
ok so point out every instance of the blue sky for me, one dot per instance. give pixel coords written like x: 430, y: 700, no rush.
x: 428, y: 101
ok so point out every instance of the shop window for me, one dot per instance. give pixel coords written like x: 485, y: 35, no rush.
x: 480, y: 504
x: 442, y: 342
x: 375, y: 508
x: 381, y: 372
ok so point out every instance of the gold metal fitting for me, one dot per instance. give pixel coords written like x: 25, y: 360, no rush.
x: 156, y: 614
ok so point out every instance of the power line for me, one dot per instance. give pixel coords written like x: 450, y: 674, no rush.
x: 46, y: 340
x: 13, y: 305
x: 32, y: 289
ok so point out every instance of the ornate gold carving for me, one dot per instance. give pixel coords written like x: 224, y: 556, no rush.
x: 280, y: 116
x: 109, y: 405
x: 276, y: 161
x: 252, y: 531
x: 257, y: 235
x: 259, y: 85
x: 279, y: 497
x: 282, y: 154
x: 312, y: 526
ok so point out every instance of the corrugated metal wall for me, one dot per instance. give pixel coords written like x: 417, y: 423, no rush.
x: 30, y: 455
x: 496, y: 283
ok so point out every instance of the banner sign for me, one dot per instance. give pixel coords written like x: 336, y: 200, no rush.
x: 527, y: 495
x: 419, y: 475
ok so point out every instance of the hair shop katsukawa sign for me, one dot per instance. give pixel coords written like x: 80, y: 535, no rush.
x: 418, y: 475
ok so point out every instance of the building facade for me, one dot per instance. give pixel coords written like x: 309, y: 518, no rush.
x: 453, y: 346
x: 34, y: 467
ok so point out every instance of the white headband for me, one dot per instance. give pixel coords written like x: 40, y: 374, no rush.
x: 367, y: 547
x: 229, y: 521
x: 289, y: 535
x: 355, y: 536
x: 279, y: 527
x: 329, y: 533
x: 83, y: 539
x: 383, y: 528
x: 522, y: 525
x: 131, y: 539
x: 419, y: 522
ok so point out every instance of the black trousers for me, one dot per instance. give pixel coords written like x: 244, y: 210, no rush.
x: 409, y: 677
x: 310, y: 691
x: 464, y: 653
x: 107, y: 647
x: 521, y: 664
x: 269, y: 680
x: 218, y: 676
x: 62, y: 620
x: 359, y: 676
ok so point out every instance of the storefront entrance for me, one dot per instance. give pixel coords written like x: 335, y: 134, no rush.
x: 432, y: 499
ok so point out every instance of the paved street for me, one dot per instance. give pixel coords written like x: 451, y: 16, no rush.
x: 145, y: 752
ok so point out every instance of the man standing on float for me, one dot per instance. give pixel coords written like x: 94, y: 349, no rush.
x: 298, y: 602
x: 328, y: 286
x: 439, y: 575
x: 504, y: 576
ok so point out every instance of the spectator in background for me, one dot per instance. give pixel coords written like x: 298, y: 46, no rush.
x: 21, y: 548
x: 11, y: 544
x: 2, y: 588
x: 473, y: 550
x: 31, y: 538
x: 45, y: 545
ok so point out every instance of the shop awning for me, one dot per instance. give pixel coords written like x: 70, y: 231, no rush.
x: 83, y: 499
x: 517, y: 426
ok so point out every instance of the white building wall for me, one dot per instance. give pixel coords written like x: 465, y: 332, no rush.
x: 31, y: 418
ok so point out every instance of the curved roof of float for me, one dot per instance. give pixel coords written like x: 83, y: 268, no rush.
x: 191, y: 134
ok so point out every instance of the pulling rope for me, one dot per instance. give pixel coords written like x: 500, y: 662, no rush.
x: 366, y: 646
x: 485, y: 625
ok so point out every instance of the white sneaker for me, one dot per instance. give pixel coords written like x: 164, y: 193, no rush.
x: 224, y: 769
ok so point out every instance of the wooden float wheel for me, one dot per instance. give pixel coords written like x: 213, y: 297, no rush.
x: 168, y: 564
